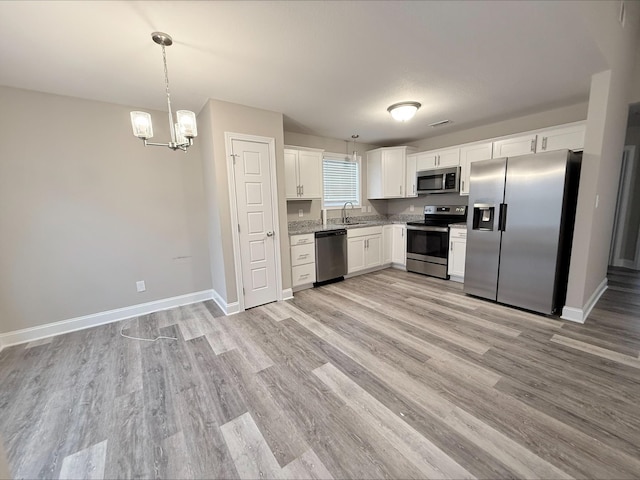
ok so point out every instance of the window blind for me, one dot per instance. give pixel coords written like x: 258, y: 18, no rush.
x: 341, y: 178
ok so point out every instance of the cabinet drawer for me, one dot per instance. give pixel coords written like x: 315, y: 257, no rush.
x: 302, y: 239
x: 364, y: 231
x: 303, y: 274
x: 458, y: 233
x: 301, y: 254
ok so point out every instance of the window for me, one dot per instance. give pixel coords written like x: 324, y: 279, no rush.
x: 341, y: 181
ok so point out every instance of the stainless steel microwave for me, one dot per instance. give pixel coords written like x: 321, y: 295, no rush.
x: 439, y: 180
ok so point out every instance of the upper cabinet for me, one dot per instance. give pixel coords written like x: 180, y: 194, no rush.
x: 469, y: 154
x: 412, y: 187
x: 438, y: 159
x: 303, y: 173
x: 514, y: 146
x: 387, y: 172
x: 571, y: 137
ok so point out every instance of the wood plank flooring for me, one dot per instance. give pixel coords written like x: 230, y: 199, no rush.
x: 386, y: 375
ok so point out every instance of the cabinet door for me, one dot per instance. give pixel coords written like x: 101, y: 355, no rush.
x: 310, y: 174
x: 291, y: 173
x: 571, y: 138
x: 387, y: 243
x: 512, y: 147
x: 457, y: 256
x: 393, y: 172
x: 373, y: 251
x: 468, y: 155
x: 426, y: 160
x: 449, y: 158
x: 410, y: 182
x: 355, y: 254
x: 399, y: 255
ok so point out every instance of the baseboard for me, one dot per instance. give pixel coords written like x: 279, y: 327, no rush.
x: 456, y: 278
x: 287, y: 294
x: 580, y: 315
x: 87, y: 321
x: 227, y: 308
x: 1, y: 345
x: 399, y: 266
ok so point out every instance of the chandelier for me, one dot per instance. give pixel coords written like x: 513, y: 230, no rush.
x: 184, y: 130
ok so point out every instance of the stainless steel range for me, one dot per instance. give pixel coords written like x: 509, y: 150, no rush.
x: 428, y: 241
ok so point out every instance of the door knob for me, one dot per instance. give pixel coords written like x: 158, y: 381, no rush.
x: 269, y: 234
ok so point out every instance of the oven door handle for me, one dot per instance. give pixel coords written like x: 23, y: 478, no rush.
x: 428, y: 229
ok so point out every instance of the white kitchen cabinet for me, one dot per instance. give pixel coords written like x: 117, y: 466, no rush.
x: 514, y: 146
x: 364, y: 248
x: 386, y: 172
x: 303, y: 260
x: 469, y: 154
x: 457, y: 253
x: 399, y: 253
x: 303, y: 174
x: 412, y: 187
x: 570, y: 137
x: 438, y: 159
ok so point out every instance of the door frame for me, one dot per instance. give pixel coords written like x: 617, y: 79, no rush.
x: 271, y: 142
x: 627, y: 169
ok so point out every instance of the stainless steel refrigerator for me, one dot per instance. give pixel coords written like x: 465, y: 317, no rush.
x: 520, y: 228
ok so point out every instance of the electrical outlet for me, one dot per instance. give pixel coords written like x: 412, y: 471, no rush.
x: 140, y: 286
x: 411, y: 208
x: 300, y: 212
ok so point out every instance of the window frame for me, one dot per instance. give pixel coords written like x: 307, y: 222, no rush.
x: 349, y: 159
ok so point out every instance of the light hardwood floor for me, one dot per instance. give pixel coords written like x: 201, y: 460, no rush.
x: 386, y: 375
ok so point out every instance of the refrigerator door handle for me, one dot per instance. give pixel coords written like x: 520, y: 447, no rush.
x: 502, y: 219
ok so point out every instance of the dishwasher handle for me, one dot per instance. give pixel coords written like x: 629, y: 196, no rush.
x: 331, y: 233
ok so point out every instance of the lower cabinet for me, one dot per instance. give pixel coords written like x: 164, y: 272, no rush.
x: 457, y: 253
x: 303, y: 260
x: 364, y: 248
x: 399, y: 248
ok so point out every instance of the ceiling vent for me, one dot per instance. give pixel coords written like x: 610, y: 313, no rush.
x: 440, y: 123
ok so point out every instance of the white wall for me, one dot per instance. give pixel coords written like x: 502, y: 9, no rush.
x: 217, y: 118
x: 86, y: 210
x: 610, y: 95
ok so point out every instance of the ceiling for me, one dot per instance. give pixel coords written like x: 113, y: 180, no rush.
x: 331, y: 67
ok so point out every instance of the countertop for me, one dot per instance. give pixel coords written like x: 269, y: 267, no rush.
x: 335, y: 226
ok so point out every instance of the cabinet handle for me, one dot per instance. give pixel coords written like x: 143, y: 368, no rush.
x: 414, y: 188
x: 302, y: 189
x: 544, y: 143
x: 533, y: 145
x: 451, y: 247
x: 304, y: 276
x: 303, y: 256
x: 463, y: 185
x: 400, y: 190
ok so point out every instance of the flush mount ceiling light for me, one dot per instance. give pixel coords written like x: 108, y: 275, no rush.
x: 403, y: 111
x: 184, y: 130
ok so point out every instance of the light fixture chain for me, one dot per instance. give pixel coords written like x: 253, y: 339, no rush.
x: 166, y: 82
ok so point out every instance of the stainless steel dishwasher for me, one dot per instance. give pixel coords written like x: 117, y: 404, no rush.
x: 331, y: 256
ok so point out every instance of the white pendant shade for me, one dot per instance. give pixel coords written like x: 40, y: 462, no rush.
x: 187, y: 123
x: 141, y: 124
x: 403, y: 111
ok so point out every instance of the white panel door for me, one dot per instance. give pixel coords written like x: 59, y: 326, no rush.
x: 399, y: 253
x: 373, y: 251
x: 355, y: 254
x: 255, y: 218
x: 411, y: 190
x: 468, y: 155
x: 387, y: 243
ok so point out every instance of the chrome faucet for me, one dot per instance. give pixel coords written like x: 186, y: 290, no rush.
x: 345, y: 218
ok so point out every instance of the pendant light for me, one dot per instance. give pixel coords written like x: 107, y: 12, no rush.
x: 355, y: 149
x: 184, y: 130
